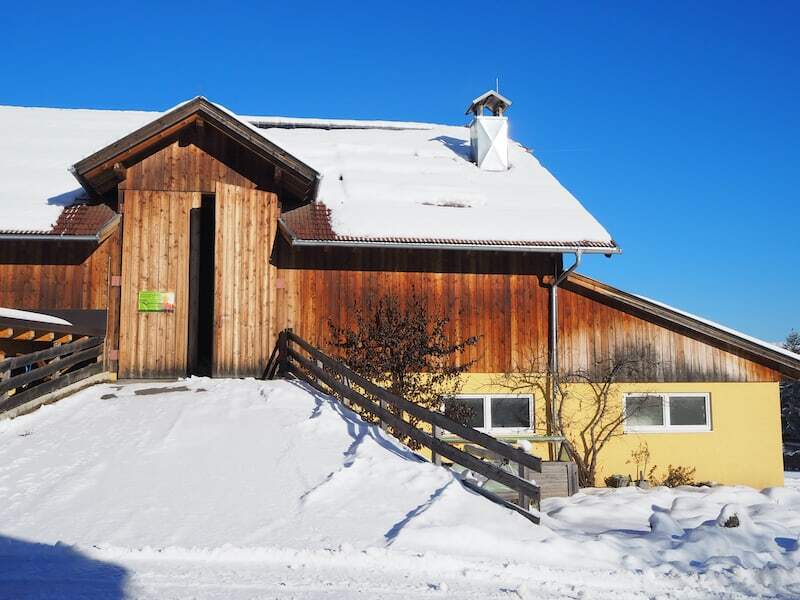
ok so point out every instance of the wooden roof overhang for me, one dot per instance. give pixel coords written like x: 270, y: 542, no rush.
x: 728, y: 340
x: 103, y: 170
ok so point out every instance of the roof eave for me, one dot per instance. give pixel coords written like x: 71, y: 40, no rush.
x: 775, y: 359
x: 48, y: 237
x: 103, y: 232
x: 568, y: 249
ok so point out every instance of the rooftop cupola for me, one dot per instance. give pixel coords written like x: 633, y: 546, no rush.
x: 489, y: 133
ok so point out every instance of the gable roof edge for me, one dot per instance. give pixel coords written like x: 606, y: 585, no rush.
x: 783, y: 361
x: 173, y: 120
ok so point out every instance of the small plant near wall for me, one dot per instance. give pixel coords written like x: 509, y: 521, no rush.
x: 640, y: 457
x: 674, y: 477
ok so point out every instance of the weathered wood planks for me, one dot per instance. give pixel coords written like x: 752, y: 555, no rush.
x: 244, y: 329
x: 498, y: 297
x: 54, y: 275
x: 156, y: 258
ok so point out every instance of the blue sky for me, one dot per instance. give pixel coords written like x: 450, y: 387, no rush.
x: 676, y: 124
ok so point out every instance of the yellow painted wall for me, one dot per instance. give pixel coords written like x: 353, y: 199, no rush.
x: 743, y: 447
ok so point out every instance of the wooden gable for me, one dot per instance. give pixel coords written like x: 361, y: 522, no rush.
x: 104, y: 170
x: 597, y: 321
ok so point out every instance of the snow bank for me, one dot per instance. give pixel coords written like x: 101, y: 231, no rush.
x: 239, y: 463
x: 221, y: 477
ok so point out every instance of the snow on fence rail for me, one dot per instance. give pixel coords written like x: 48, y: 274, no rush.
x: 333, y: 377
x: 30, y: 376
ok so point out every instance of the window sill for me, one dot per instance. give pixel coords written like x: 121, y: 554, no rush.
x: 669, y: 430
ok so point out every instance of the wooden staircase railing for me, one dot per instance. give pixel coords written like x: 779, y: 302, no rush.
x: 30, y: 376
x: 297, y: 357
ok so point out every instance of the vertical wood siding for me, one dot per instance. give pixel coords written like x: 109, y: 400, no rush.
x: 592, y: 331
x: 43, y: 275
x: 244, y: 332
x: 155, y: 257
x: 197, y: 160
x: 497, y: 297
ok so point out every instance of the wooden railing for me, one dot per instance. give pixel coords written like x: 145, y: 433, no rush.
x: 297, y: 357
x: 30, y: 376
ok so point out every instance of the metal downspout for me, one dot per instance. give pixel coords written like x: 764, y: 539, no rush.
x: 554, y: 342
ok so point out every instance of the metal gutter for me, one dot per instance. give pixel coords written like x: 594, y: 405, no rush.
x: 444, y: 246
x: 103, y: 232
x: 47, y: 237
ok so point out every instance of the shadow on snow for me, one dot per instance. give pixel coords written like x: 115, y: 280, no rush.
x: 34, y: 570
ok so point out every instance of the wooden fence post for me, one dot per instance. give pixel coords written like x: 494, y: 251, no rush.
x: 435, y: 459
x: 524, y: 501
x: 283, y: 352
x: 5, y: 374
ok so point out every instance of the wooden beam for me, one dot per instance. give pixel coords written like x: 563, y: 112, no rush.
x: 64, y: 339
x: 120, y: 170
x: 48, y: 336
x: 25, y: 335
x: 136, y: 148
x: 6, y: 332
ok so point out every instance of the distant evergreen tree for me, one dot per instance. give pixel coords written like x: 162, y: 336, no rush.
x: 790, y: 396
x: 792, y: 342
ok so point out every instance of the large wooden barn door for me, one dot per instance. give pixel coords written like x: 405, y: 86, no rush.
x: 155, y: 259
x: 244, y: 334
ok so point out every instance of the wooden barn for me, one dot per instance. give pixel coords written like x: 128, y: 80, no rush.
x: 190, y: 239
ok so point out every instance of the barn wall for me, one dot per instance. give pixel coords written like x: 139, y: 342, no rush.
x: 244, y: 286
x: 593, y: 332
x: 196, y: 161
x: 498, y: 297
x: 56, y: 275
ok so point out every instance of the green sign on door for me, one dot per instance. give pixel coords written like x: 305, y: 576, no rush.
x: 152, y: 301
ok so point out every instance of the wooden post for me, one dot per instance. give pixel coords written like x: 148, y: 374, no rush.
x: 435, y: 457
x: 4, y: 375
x: 283, y: 352
x: 524, y: 501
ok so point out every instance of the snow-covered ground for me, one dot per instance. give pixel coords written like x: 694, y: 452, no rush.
x: 246, y: 489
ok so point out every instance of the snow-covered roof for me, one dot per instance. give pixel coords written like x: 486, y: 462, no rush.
x: 37, y: 147
x: 419, y: 183
x: 378, y: 179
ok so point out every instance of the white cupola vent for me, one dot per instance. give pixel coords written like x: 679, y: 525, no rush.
x: 489, y: 133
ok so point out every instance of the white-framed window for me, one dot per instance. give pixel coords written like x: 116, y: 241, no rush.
x: 673, y: 412
x: 506, y: 413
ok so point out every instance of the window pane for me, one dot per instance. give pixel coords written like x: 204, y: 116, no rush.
x: 511, y: 412
x: 644, y: 411
x: 687, y: 410
x: 465, y: 410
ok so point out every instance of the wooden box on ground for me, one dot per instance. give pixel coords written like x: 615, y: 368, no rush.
x: 557, y: 479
